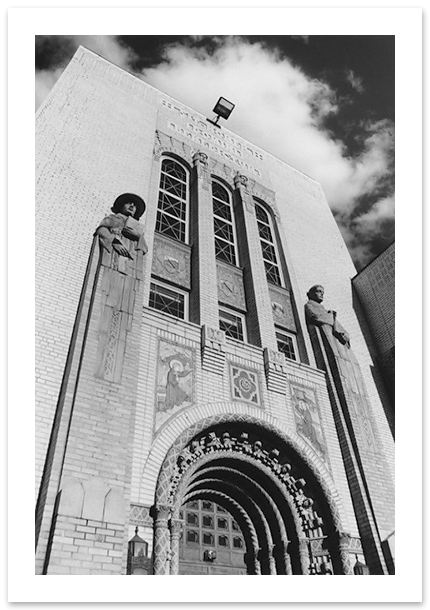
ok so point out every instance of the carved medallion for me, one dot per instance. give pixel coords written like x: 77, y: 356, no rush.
x: 230, y: 286
x: 281, y: 307
x: 245, y: 385
x: 171, y: 261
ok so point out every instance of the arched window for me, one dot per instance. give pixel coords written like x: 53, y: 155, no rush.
x: 268, y: 245
x: 172, y: 200
x: 224, y: 227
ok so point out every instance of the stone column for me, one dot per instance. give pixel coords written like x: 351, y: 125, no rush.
x: 256, y: 561
x: 344, y: 547
x: 304, y: 555
x: 161, y: 540
x: 261, y: 330
x: 272, y: 560
x: 204, y: 301
x: 283, y: 548
x: 175, y: 534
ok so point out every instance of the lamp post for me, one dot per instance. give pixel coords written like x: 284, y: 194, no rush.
x: 223, y: 108
x: 138, y: 562
x: 360, y: 569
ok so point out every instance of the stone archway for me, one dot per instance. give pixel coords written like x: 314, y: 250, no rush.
x: 289, y: 519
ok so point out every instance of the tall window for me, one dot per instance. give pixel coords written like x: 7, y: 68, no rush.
x: 268, y: 246
x: 172, y: 217
x: 225, y: 246
x: 172, y: 200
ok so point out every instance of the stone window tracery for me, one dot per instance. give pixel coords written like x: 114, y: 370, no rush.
x: 224, y: 225
x: 268, y: 245
x: 173, y: 196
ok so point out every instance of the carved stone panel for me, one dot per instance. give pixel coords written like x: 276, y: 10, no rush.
x: 281, y: 308
x: 307, y: 418
x: 230, y: 286
x: 171, y: 261
x: 175, y: 379
x: 245, y: 385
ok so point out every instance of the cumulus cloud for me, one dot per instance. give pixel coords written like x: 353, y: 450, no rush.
x: 59, y: 50
x: 280, y: 109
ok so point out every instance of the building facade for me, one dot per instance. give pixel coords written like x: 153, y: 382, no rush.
x: 182, y: 391
x: 375, y: 288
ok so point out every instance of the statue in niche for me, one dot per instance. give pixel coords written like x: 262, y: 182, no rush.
x: 318, y: 315
x: 124, y: 222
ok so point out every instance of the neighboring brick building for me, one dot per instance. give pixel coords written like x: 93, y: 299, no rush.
x: 183, y: 385
x: 375, y: 287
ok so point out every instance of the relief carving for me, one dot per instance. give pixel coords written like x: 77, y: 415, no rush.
x: 245, y: 385
x: 307, y: 418
x: 281, y: 308
x: 230, y: 286
x: 175, y: 379
x: 171, y: 261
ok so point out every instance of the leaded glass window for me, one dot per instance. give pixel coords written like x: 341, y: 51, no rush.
x: 225, y: 246
x: 167, y: 300
x: 172, y: 200
x: 268, y: 246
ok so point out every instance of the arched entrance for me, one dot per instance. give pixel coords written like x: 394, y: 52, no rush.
x: 283, y: 507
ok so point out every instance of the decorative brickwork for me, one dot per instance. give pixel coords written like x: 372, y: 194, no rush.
x: 275, y: 370
x: 213, y: 351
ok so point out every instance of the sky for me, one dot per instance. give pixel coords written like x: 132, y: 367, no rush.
x: 323, y: 104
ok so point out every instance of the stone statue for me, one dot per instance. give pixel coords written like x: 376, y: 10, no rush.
x: 124, y: 222
x: 317, y: 314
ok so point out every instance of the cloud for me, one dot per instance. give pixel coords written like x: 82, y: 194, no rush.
x: 282, y: 110
x: 355, y: 81
x: 279, y: 108
x: 58, y: 50
x: 305, y: 39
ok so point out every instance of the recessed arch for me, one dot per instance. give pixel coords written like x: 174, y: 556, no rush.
x: 256, y: 469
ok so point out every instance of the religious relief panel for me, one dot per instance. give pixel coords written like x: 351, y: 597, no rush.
x: 171, y: 261
x: 245, y: 385
x: 281, y: 308
x: 307, y: 418
x: 175, y: 380
x: 230, y: 286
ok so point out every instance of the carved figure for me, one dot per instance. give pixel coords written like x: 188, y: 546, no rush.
x: 124, y: 222
x: 318, y: 315
x: 227, y: 441
x: 213, y: 442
